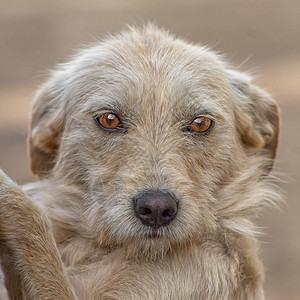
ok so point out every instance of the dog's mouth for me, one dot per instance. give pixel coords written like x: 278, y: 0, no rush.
x: 157, y: 232
x: 153, y: 233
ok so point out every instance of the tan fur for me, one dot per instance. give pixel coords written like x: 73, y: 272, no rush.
x: 157, y: 85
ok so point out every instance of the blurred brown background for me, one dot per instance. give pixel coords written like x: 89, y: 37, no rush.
x: 263, y: 36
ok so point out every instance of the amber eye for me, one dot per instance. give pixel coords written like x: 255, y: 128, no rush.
x: 108, y: 121
x: 201, y: 125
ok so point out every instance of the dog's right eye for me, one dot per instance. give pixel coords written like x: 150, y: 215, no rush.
x: 108, y: 121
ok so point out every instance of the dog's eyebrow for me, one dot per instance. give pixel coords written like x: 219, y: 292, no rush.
x: 192, y: 108
x: 201, y: 110
x: 100, y: 103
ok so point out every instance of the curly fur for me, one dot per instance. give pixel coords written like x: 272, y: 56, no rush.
x: 157, y: 84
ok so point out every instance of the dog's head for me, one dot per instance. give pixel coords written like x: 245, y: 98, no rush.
x: 168, y: 144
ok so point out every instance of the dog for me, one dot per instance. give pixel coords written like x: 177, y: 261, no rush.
x: 153, y: 155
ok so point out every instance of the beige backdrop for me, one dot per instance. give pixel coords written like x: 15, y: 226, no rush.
x: 262, y: 36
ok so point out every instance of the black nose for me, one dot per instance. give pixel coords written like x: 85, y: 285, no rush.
x: 155, y: 208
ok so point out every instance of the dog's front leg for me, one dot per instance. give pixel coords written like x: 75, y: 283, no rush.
x: 30, y: 260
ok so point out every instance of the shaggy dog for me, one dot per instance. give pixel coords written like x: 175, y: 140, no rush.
x: 153, y: 155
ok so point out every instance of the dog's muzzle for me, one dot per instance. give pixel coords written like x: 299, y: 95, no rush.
x: 155, y: 208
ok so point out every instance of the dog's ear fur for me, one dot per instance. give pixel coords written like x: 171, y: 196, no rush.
x: 257, y: 116
x: 46, y: 125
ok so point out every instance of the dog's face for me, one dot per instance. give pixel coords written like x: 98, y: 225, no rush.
x: 162, y: 138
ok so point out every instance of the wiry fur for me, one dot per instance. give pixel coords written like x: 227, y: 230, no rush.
x: 88, y: 177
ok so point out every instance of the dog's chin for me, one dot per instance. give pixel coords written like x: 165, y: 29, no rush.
x: 149, y: 243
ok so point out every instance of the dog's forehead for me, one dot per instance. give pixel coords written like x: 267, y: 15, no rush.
x: 134, y: 71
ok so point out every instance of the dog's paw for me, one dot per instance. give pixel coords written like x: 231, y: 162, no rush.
x: 8, y: 189
x: 5, y: 180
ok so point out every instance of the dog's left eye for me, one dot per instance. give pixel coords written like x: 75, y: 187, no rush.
x: 108, y: 121
x: 201, y: 125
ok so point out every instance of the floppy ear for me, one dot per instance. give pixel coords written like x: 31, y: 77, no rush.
x: 257, y: 116
x: 46, y: 126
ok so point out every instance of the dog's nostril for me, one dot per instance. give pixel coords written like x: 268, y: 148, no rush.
x: 155, y: 208
x: 168, y: 213
x: 145, y: 211
x: 165, y: 213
